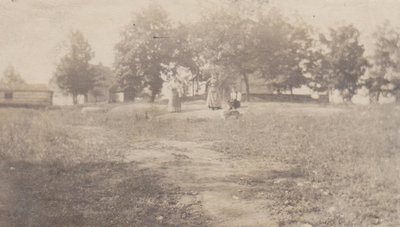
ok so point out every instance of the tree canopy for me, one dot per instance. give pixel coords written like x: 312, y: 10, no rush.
x: 74, y: 74
x: 240, y: 40
x: 147, y: 45
x: 384, y: 76
x: 243, y: 43
x: 345, y: 60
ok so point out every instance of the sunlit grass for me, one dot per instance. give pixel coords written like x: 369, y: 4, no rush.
x: 347, y: 161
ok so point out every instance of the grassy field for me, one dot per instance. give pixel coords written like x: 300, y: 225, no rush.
x: 343, y: 164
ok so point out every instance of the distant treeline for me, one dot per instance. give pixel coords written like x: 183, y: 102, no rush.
x: 238, y: 43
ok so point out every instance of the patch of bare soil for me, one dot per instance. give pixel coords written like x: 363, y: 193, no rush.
x: 208, y: 178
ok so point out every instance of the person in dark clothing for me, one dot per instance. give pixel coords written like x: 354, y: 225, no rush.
x: 235, y: 98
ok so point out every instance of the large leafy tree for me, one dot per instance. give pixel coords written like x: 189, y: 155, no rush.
x: 224, y: 40
x: 251, y: 44
x: 346, y: 61
x: 74, y: 74
x: 384, y: 76
x: 11, y: 77
x: 282, y: 49
x: 241, y: 60
x: 148, y: 44
x: 183, y: 56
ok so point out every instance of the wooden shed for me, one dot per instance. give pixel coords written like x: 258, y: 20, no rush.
x: 34, y: 95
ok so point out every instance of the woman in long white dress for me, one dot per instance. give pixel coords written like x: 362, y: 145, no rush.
x: 174, y: 99
x: 214, y: 97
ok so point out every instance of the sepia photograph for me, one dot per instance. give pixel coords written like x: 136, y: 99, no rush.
x: 235, y: 113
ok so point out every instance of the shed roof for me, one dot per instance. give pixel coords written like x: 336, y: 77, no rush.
x: 25, y: 87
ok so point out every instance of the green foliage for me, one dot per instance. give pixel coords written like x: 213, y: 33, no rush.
x: 317, y: 71
x: 283, y: 48
x: 244, y: 41
x: 384, y: 77
x: 225, y: 46
x: 345, y: 58
x: 74, y: 74
x: 260, y: 44
x: 146, y: 45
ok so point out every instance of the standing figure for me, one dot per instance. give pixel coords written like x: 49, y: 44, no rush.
x: 174, y: 100
x: 235, y: 98
x: 214, y: 98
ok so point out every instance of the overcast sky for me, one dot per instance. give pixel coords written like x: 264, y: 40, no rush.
x: 32, y: 32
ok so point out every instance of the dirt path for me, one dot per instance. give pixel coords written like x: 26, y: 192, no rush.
x: 209, y: 180
x: 206, y: 177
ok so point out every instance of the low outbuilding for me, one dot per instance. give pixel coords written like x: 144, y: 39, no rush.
x: 29, y: 95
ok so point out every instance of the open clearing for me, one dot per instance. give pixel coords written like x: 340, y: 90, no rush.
x: 135, y: 165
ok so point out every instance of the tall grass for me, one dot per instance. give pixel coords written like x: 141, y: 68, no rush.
x: 349, y: 160
x: 67, y: 134
x: 34, y: 135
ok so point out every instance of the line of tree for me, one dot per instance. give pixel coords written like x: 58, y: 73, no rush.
x: 243, y: 43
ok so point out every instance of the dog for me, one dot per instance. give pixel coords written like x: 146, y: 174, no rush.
x: 230, y: 113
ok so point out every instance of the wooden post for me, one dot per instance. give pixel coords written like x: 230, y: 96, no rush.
x: 192, y: 87
x: 246, y: 83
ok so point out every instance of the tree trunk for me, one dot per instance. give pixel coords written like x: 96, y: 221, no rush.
x: 153, y: 96
x: 206, y: 92
x: 193, y: 87
x: 197, y: 85
x: 74, y: 99
x: 246, y: 83
x: 86, y: 97
x: 378, y: 94
x: 330, y: 97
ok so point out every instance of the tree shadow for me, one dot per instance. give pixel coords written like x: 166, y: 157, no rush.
x: 92, y: 194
